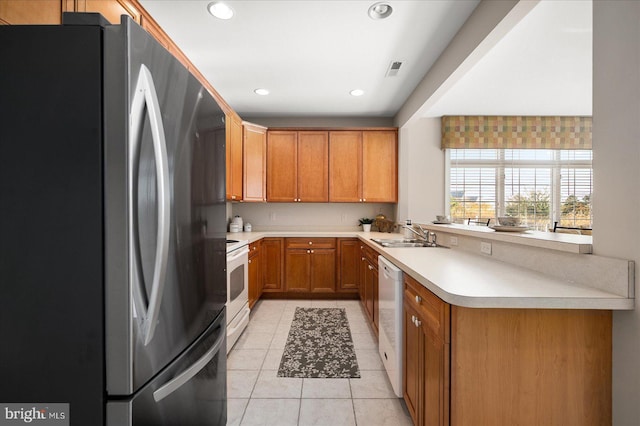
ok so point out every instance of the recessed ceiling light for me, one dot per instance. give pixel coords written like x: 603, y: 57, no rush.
x: 261, y: 92
x: 380, y: 10
x: 356, y: 92
x: 220, y: 10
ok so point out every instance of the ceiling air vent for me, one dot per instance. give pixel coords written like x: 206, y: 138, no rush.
x: 393, y: 69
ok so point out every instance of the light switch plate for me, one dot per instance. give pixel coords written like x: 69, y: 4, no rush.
x: 485, y: 247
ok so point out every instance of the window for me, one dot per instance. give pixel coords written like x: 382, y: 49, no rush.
x: 541, y: 186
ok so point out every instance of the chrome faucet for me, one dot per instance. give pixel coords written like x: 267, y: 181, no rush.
x: 427, y: 237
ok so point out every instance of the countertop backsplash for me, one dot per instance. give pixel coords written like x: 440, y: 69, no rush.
x: 309, y: 216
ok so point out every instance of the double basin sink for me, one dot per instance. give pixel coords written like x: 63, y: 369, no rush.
x: 404, y: 242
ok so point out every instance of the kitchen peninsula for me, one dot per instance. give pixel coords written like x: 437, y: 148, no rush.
x: 499, y: 343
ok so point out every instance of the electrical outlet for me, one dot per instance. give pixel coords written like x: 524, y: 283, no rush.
x: 485, y: 247
x: 453, y: 240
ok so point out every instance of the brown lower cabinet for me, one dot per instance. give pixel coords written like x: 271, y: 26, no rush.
x: 496, y: 366
x: 310, y: 265
x: 255, y: 273
x: 426, y: 355
x: 273, y: 258
x: 369, y: 283
x: 348, y: 258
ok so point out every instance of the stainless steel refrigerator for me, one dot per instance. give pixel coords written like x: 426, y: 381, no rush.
x: 112, y: 228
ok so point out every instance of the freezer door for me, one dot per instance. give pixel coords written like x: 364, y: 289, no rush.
x: 191, y: 391
x: 171, y: 283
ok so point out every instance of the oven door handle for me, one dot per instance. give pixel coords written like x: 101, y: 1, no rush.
x: 238, y: 253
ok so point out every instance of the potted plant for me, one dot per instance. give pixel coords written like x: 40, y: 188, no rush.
x: 366, y: 224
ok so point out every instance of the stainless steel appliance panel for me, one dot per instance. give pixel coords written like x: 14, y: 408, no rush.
x: 191, y: 391
x: 173, y: 294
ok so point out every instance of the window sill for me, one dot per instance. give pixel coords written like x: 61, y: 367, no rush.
x: 569, y: 243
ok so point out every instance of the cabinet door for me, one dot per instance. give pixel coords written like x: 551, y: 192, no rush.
x: 368, y: 291
x: 297, y: 265
x: 282, y: 159
x: 374, y: 303
x: 345, y: 166
x: 313, y: 166
x: 254, y: 277
x: 362, y: 275
x: 234, y: 158
x: 323, y: 270
x: 255, y: 162
x: 255, y: 273
x: 272, y: 258
x: 348, y: 264
x: 379, y: 166
x: 435, y: 357
x: 412, y: 365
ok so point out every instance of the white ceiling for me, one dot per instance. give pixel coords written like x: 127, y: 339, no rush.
x: 309, y: 54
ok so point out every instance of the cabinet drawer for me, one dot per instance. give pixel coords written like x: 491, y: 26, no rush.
x: 305, y: 243
x: 370, y: 254
x: 254, y: 249
x: 433, y: 310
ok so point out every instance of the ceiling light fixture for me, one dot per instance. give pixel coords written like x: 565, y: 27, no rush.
x: 261, y: 92
x: 356, y: 92
x: 220, y: 10
x: 380, y: 10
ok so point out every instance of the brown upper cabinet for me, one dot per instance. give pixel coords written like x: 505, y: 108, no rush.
x: 297, y: 166
x: 255, y: 162
x: 234, y: 157
x: 49, y: 12
x: 363, y: 166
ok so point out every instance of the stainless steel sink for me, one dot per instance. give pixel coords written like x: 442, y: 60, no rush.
x: 397, y: 243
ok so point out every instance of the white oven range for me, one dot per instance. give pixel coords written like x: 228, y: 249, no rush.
x: 237, y: 289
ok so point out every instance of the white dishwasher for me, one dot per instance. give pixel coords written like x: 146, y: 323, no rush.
x: 390, y: 321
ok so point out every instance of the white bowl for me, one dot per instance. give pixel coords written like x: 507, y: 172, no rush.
x: 508, y: 221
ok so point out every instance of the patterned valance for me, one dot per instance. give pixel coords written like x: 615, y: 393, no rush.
x: 516, y: 132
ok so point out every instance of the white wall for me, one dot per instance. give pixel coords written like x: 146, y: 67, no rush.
x: 616, y: 157
x: 421, y: 166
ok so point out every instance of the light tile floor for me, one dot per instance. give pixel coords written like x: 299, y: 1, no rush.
x: 258, y: 397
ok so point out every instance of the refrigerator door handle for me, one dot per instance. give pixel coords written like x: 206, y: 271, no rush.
x: 175, y: 383
x: 145, y: 93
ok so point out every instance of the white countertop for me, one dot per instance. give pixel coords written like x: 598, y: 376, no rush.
x: 475, y: 281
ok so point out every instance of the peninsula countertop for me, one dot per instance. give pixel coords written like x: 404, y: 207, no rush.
x: 476, y: 281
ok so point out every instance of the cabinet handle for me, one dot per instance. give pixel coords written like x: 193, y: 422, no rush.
x: 413, y: 319
x: 364, y: 200
x: 310, y: 242
x: 233, y: 197
x: 418, y: 322
x: 418, y: 299
x: 370, y: 267
x: 362, y: 259
x: 249, y: 261
x: 312, y: 251
x: 360, y: 199
x: 308, y: 251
